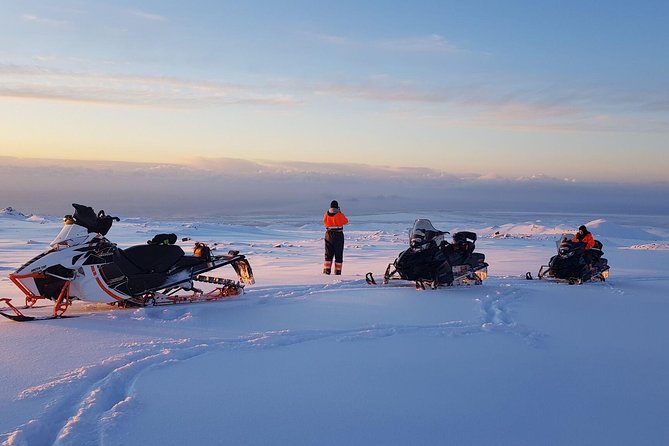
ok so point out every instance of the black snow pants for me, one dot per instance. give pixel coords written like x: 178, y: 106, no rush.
x: 334, y: 248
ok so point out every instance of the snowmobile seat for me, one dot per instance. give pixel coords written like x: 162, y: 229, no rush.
x: 186, y: 261
x: 147, y: 258
x: 142, y: 283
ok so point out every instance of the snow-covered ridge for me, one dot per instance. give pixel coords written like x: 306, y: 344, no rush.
x: 651, y: 246
x: 10, y: 212
x: 294, y: 188
x: 599, y: 228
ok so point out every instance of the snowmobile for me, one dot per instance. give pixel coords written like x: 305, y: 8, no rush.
x: 81, y: 263
x: 570, y: 264
x: 432, y: 261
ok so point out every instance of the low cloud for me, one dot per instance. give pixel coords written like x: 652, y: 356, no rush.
x: 227, y: 187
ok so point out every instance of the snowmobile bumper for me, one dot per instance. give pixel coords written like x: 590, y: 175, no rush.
x: 26, y: 283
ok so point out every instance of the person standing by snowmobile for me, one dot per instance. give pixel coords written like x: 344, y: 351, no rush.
x: 584, y: 236
x: 334, y: 221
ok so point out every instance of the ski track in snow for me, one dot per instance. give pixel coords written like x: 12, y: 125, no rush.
x: 91, y: 401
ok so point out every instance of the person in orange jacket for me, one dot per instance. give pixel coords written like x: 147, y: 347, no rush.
x: 584, y: 236
x: 334, y: 221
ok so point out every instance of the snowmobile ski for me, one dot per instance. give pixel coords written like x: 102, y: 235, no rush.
x: 18, y: 316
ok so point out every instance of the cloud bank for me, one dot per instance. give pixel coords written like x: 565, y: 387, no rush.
x: 230, y: 187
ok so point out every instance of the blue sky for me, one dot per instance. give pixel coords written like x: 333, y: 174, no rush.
x: 576, y: 90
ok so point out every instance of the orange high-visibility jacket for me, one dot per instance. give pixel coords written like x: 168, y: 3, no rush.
x: 336, y: 220
x: 587, y: 239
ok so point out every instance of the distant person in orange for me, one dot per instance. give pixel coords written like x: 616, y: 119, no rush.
x: 334, y: 221
x: 584, y: 236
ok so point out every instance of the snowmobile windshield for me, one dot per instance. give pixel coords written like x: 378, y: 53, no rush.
x: 423, y: 233
x: 564, y: 240
x: 70, y: 235
x: 565, y: 247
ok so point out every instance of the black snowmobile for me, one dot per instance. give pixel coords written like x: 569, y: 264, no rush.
x: 431, y: 261
x: 570, y: 264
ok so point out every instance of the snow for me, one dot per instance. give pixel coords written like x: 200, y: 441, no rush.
x: 302, y: 358
x: 648, y: 246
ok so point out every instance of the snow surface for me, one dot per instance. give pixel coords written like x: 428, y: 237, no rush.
x: 304, y: 359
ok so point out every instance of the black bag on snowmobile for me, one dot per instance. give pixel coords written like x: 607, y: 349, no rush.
x: 201, y: 250
x: 163, y: 239
x: 461, y: 251
x: 85, y: 216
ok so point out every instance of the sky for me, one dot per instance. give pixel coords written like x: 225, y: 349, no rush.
x: 575, y: 90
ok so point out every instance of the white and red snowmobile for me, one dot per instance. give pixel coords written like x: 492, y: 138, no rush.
x: 570, y: 264
x: 81, y: 263
x: 432, y: 261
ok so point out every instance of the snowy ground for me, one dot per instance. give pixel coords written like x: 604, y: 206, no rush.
x: 305, y: 359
